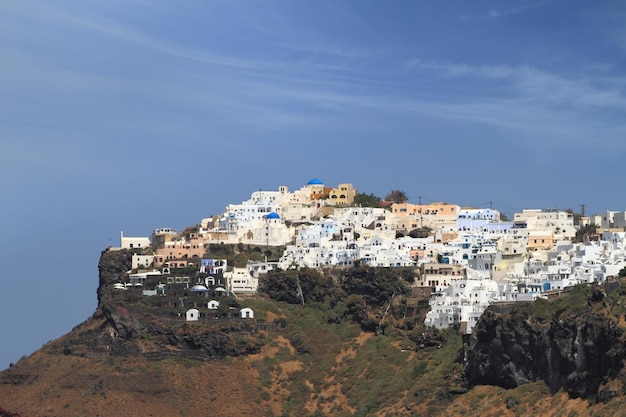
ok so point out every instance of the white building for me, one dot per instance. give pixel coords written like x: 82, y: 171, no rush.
x: 559, y: 223
x: 141, y: 277
x: 141, y: 261
x: 192, y: 314
x: 610, y: 220
x: 257, y: 268
x: 461, y: 304
x: 133, y: 242
x: 246, y: 313
x: 476, y: 219
x: 239, y: 281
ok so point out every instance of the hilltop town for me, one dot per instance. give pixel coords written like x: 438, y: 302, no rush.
x: 464, y: 258
x: 301, y: 303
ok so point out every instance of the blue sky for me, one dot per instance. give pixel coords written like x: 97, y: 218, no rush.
x: 132, y: 115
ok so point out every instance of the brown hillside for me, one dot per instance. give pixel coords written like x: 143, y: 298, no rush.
x: 49, y: 383
x: 137, y: 357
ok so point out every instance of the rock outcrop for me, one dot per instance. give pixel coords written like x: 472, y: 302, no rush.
x: 129, y: 328
x: 577, y: 353
x: 112, y: 266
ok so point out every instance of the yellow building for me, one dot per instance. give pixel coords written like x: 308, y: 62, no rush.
x: 343, y: 195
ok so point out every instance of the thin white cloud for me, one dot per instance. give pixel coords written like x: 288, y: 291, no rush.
x: 327, y: 85
x: 499, y: 13
x: 540, y: 86
x: 462, y: 70
x: 538, y: 124
x: 82, y: 20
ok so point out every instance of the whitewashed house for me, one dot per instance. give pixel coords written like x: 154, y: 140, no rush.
x: 246, y: 313
x: 461, y: 303
x: 559, y: 223
x: 139, y: 261
x: 240, y: 281
x: 192, y: 314
x: 476, y: 219
x: 133, y: 242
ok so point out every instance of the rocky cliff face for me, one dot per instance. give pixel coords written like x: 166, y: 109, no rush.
x: 112, y: 266
x: 578, y: 352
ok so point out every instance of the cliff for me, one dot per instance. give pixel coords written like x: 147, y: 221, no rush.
x: 574, y: 344
x: 351, y: 350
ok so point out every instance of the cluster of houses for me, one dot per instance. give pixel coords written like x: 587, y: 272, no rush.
x: 465, y: 258
x: 209, y: 285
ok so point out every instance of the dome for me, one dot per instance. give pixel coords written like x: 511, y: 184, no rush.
x: 315, y: 181
x: 273, y: 215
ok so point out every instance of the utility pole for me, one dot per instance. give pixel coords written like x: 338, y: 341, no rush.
x: 582, y: 210
x: 419, y: 199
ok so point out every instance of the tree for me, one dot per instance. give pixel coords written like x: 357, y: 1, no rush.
x: 396, y: 196
x: 584, y: 232
x: 366, y: 200
x: 299, y: 286
x: 575, y: 216
x: 375, y: 285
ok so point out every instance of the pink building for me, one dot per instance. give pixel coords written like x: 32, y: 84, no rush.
x: 179, y: 250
